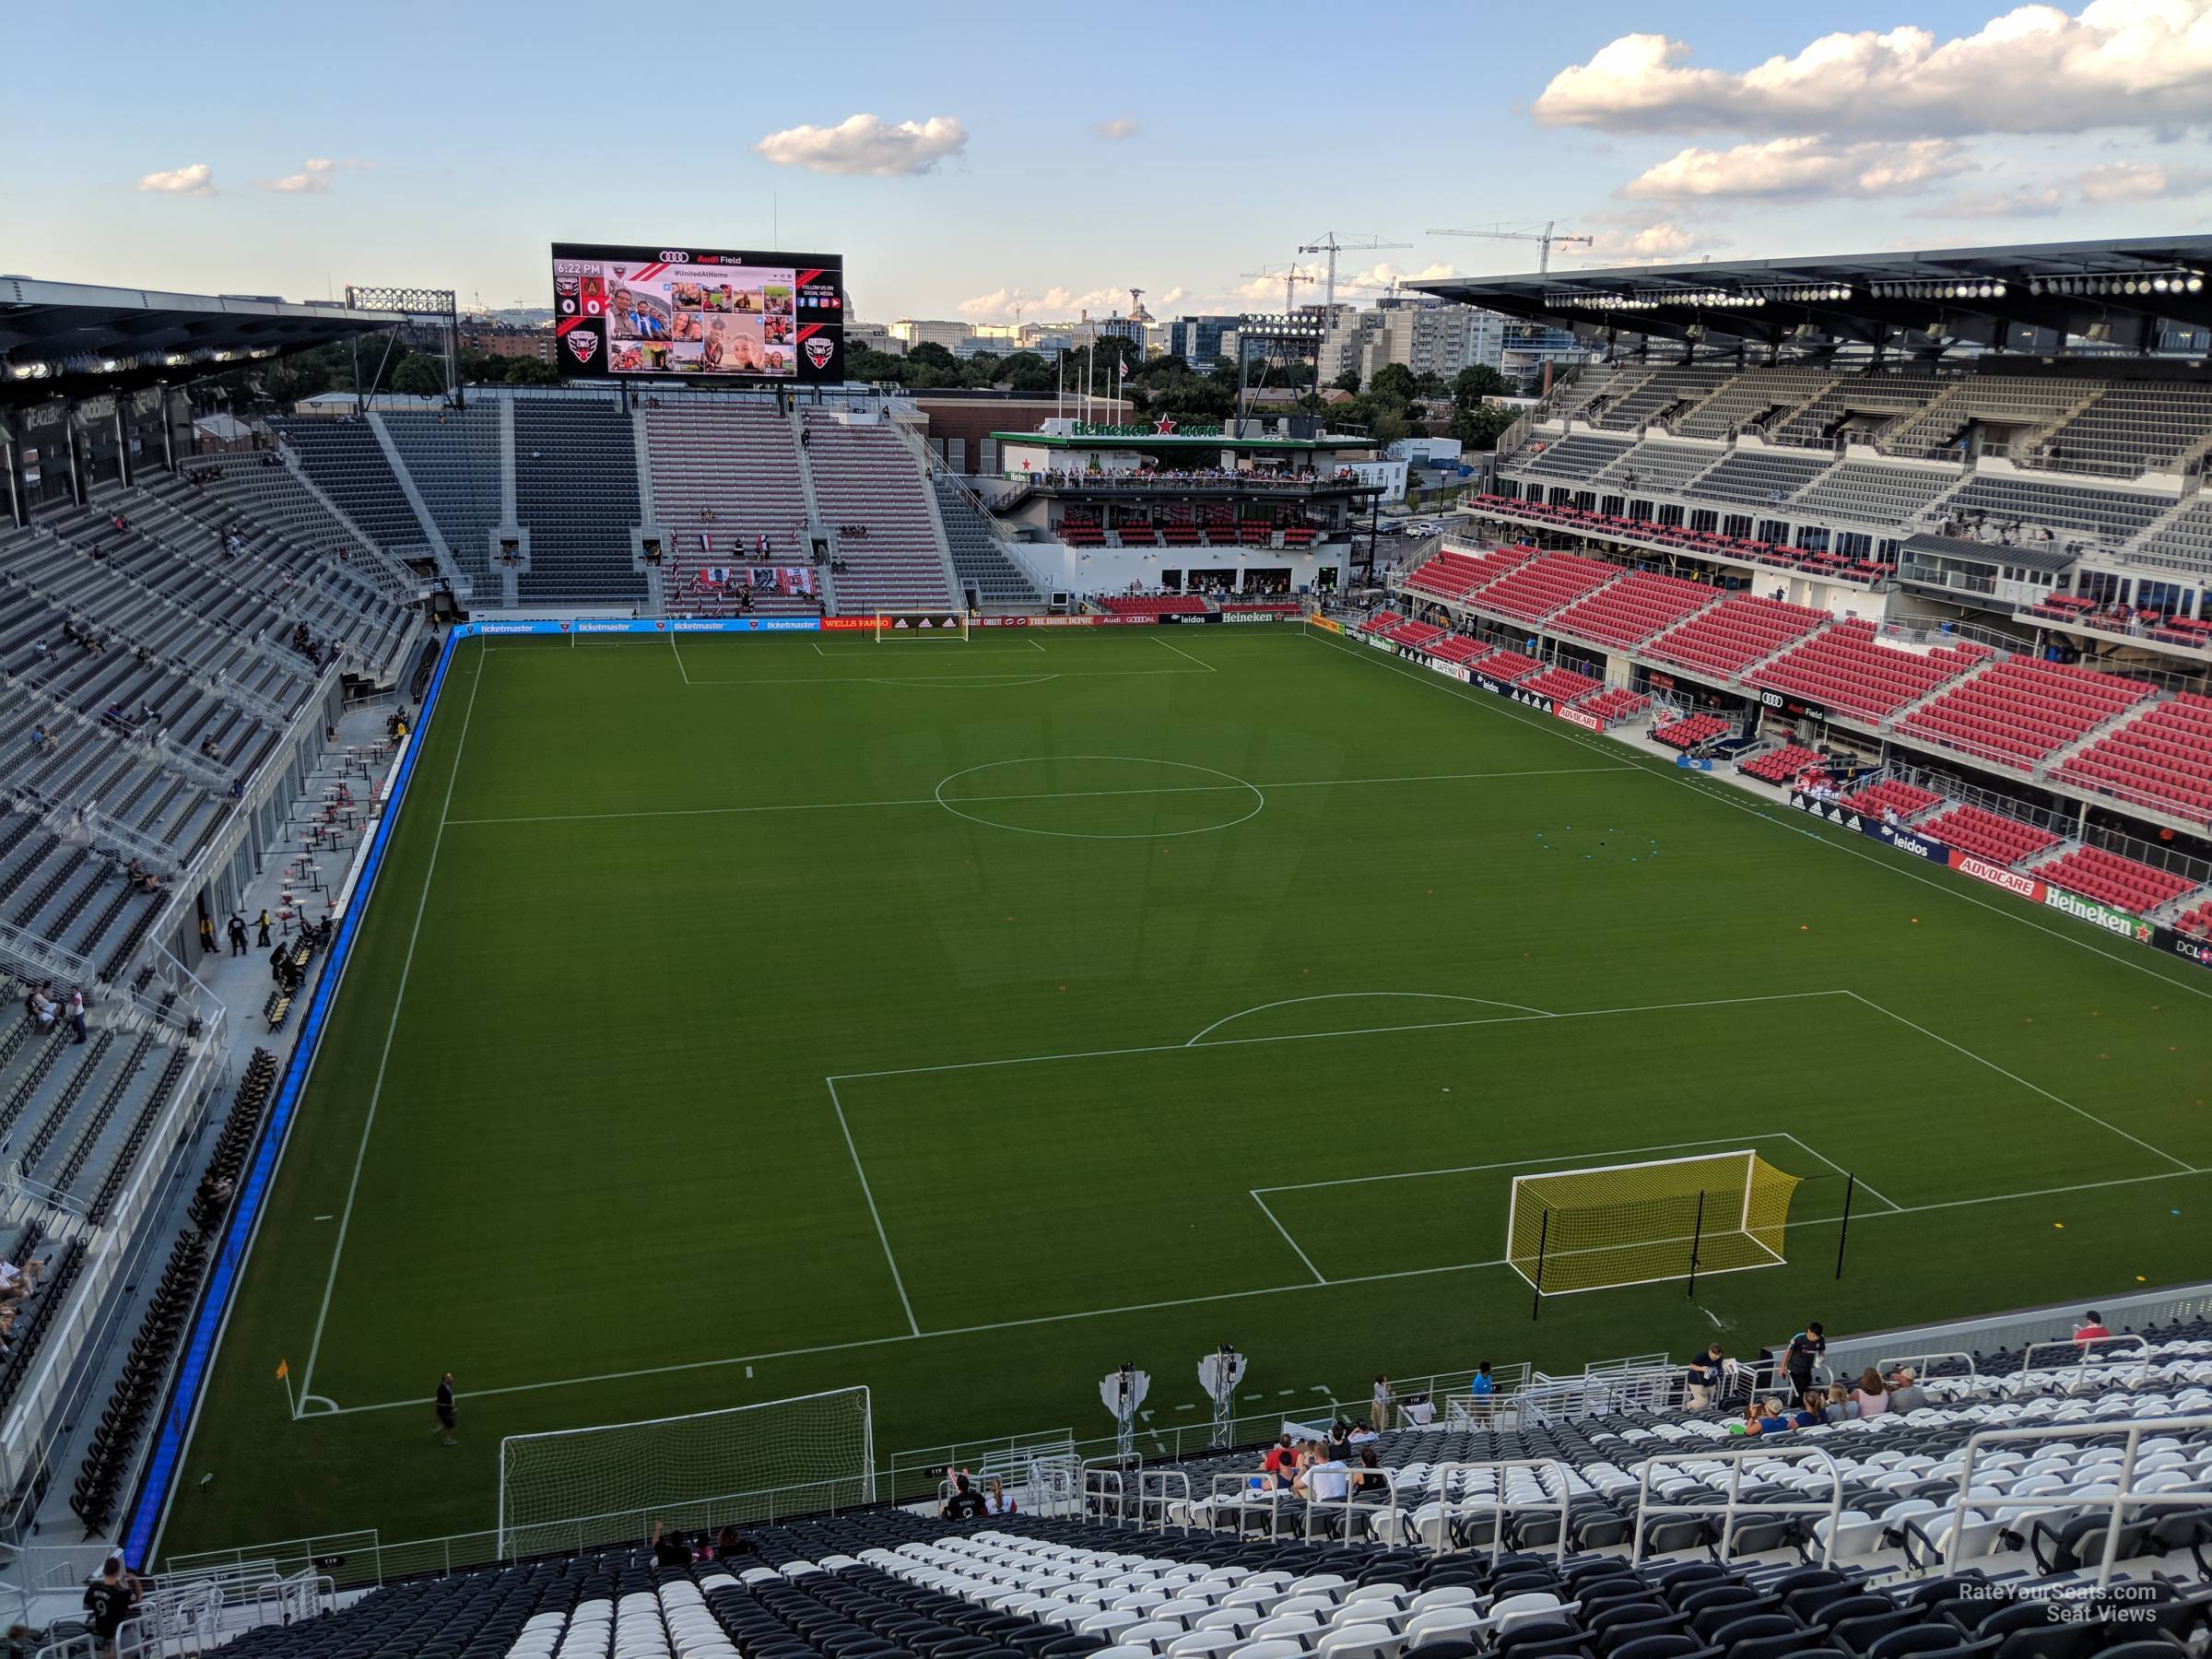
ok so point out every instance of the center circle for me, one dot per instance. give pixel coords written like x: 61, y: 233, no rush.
x: 1100, y: 797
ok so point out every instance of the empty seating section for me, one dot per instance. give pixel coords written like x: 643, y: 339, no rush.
x: 2007, y: 405
x: 1757, y: 477
x: 1659, y: 468
x: 1508, y: 665
x: 2160, y: 759
x: 1988, y: 834
x: 2183, y: 541
x: 2110, y: 879
x: 1857, y: 400
x: 1579, y: 456
x: 984, y: 566
x: 2130, y: 428
x: 1873, y: 493
x: 454, y: 457
x: 2022, y: 709
x: 1752, y: 399
x: 724, y: 477
x: 1723, y: 642
x: 1688, y: 732
x: 1451, y: 575
x: 2196, y: 920
x: 344, y: 460
x: 1458, y: 648
x: 1415, y: 636
x: 865, y: 480
x: 1616, y: 702
x: 1658, y: 392
x: 1532, y: 591
x: 2107, y: 515
x: 1845, y: 668
x: 1891, y: 794
x: 1783, y: 765
x: 1632, y: 610
x: 1562, y: 685
x: 576, y: 490
x: 1154, y: 605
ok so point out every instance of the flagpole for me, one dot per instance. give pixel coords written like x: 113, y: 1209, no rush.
x: 284, y: 1375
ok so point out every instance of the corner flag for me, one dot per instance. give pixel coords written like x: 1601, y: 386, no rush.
x: 284, y: 1369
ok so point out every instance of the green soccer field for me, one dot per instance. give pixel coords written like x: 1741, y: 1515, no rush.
x: 769, y: 1014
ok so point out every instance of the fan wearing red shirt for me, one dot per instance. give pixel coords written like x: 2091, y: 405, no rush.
x: 2093, y: 1330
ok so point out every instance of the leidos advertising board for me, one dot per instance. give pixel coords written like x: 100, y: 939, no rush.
x: 714, y: 314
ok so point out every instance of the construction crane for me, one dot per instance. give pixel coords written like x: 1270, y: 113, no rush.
x: 1290, y: 276
x: 1329, y: 243
x: 1548, y: 237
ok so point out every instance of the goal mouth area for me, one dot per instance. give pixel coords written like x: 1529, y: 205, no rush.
x: 1612, y: 1227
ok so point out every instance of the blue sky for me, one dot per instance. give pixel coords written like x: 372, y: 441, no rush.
x: 1052, y: 157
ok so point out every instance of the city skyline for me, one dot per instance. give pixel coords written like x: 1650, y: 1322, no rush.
x: 970, y: 172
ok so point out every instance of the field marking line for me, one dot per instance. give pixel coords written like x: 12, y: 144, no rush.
x: 399, y: 998
x: 1839, y: 1169
x: 874, y: 1214
x: 1319, y: 1277
x: 988, y: 682
x: 1735, y: 800
x: 817, y: 648
x: 1515, y: 1163
x: 1035, y: 644
x: 1185, y: 655
x: 931, y: 800
x: 414, y: 1403
x: 2024, y: 1083
x: 1487, y: 1002
x: 1434, y: 1025
x: 875, y: 679
x: 678, y: 654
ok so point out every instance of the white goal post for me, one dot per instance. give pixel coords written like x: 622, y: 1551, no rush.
x: 920, y: 625
x: 571, y: 1488
x: 1611, y: 1226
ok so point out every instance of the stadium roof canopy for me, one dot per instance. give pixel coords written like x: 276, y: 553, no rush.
x: 2046, y: 297
x: 59, y: 338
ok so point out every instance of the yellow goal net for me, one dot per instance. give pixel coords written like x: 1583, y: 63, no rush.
x: 1616, y: 1225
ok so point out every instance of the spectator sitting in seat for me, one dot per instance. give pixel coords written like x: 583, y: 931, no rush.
x: 669, y: 1548
x: 1281, y: 1462
x: 2093, y: 1329
x: 141, y: 879
x: 1322, y: 1480
x: 1811, y: 1411
x: 1839, y: 1407
x: 42, y: 1008
x: 40, y: 741
x: 1905, y: 1392
x: 1870, y: 1397
x: 18, y: 1284
x: 1763, y: 1417
x: 996, y: 1501
x: 965, y: 1503
x: 1370, y: 1472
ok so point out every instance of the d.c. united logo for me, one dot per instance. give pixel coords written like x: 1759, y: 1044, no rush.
x: 818, y: 352
x: 582, y: 343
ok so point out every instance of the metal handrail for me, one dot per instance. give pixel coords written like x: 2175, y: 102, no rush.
x: 1355, y: 1477
x: 2122, y: 1495
x: 1095, y: 1479
x: 1736, y: 1457
x: 1499, y: 1508
x: 1158, y: 1487
x: 1919, y: 1363
x: 2086, y: 1354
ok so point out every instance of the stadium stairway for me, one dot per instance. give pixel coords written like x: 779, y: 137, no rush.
x: 726, y: 480
x: 983, y: 564
x: 872, y: 493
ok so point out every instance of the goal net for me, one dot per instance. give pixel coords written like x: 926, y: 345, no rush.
x: 574, y: 1488
x: 1633, y: 1224
x: 920, y: 625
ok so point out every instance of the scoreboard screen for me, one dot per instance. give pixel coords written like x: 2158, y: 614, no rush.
x: 735, y: 315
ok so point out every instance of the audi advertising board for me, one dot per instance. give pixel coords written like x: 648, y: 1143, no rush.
x: 711, y: 313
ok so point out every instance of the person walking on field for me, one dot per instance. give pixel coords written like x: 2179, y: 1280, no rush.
x: 445, y: 1410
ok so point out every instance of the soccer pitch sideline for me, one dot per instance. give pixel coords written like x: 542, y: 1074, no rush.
x: 739, y: 1018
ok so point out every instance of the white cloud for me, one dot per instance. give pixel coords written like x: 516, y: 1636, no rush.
x: 2027, y: 201
x: 1383, y: 274
x: 314, y: 176
x: 1174, y: 295
x: 1640, y: 239
x: 862, y: 144
x: 2140, y: 181
x: 198, y: 179
x: 2033, y: 69
x: 1057, y: 304
x: 1799, y: 166
x: 1121, y: 126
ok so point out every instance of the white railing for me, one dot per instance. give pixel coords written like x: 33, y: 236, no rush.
x: 1733, y: 1506
x: 1248, y: 1498
x: 1501, y: 1503
x: 1357, y: 1479
x: 1105, y: 1494
x: 2123, y: 1494
x: 1160, y: 1492
x: 2097, y: 1351
x: 1922, y: 1364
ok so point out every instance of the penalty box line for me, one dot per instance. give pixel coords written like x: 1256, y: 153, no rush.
x: 415, y: 1403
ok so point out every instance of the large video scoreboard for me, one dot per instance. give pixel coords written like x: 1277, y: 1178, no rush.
x: 717, y: 313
